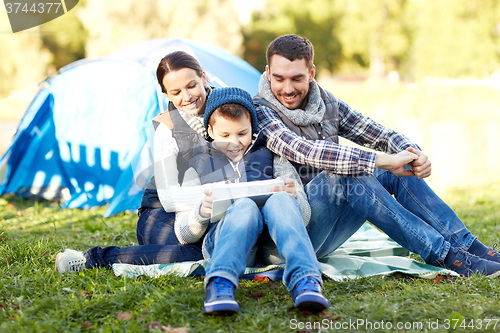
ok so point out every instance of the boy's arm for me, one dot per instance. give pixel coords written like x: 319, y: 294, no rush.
x: 189, y: 226
x: 284, y: 169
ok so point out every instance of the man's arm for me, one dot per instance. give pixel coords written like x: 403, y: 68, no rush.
x: 321, y: 154
x: 368, y: 133
x: 341, y: 159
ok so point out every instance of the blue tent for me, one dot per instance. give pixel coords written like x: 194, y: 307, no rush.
x: 85, y: 138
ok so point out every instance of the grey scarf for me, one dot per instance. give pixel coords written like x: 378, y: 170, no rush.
x: 315, y: 108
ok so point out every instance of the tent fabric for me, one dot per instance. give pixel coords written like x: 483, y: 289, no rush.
x: 86, y: 138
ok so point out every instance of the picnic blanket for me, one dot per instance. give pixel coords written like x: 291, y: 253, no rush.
x: 368, y: 252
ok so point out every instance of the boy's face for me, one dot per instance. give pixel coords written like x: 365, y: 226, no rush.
x: 231, y: 136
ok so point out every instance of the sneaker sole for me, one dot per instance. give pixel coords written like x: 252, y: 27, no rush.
x: 221, y: 308
x: 57, y: 261
x: 313, y: 303
x: 494, y: 275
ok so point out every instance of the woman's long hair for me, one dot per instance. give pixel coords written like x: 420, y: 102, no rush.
x: 175, y: 61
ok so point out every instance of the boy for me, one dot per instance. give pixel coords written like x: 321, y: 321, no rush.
x: 238, y: 154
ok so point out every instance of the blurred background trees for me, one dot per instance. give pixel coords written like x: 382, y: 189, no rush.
x: 357, y: 43
x: 412, y: 39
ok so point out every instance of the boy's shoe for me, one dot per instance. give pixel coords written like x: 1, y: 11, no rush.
x: 307, y: 295
x: 220, y: 297
x: 70, y: 261
x: 465, y: 263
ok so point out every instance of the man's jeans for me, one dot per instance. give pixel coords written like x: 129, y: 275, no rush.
x: 228, y: 243
x: 415, y: 217
x: 157, y: 244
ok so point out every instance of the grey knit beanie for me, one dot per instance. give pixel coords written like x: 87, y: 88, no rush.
x: 221, y: 96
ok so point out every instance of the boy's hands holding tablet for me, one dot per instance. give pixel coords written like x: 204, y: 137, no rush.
x: 207, y: 203
x: 289, y: 187
x: 221, y: 196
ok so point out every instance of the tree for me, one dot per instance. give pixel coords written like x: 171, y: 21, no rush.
x: 374, y: 34
x: 24, y: 60
x: 65, y: 38
x: 457, y: 38
x: 114, y: 24
x: 314, y: 19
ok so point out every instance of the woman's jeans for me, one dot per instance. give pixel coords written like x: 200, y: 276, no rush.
x: 229, y: 242
x: 415, y: 217
x: 157, y: 244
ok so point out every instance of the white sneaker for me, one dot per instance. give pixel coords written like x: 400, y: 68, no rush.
x: 70, y: 261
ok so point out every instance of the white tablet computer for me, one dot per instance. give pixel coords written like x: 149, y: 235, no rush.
x: 226, y: 194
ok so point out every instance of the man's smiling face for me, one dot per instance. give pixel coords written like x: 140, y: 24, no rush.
x: 290, y: 80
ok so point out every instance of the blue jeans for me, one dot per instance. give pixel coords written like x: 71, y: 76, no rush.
x: 415, y: 217
x: 157, y: 244
x: 228, y: 243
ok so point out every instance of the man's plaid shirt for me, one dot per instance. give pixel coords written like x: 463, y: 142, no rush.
x: 330, y: 156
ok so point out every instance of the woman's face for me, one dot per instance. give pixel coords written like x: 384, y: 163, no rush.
x: 186, y: 90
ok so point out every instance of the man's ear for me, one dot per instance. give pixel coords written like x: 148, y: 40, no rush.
x: 312, y: 73
x: 268, y: 71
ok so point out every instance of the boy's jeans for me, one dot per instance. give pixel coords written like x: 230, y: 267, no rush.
x: 418, y: 219
x: 228, y: 243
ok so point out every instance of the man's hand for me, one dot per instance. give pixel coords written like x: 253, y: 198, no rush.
x: 421, y: 167
x: 396, y: 163
x: 288, y: 188
x: 206, y: 205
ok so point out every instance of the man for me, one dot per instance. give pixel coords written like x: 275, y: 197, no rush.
x: 346, y: 186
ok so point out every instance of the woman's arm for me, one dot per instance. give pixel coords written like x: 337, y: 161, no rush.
x: 189, y: 225
x: 173, y: 197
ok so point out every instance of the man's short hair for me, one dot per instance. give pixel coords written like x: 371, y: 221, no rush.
x: 292, y: 47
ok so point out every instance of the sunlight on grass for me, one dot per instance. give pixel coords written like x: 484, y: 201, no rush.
x: 34, y: 298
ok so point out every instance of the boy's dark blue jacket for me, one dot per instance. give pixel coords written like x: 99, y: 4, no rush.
x: 214, y: 166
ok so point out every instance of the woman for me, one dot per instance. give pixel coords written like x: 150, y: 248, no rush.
x: 184, y: 83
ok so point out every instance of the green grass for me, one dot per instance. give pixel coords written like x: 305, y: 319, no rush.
x: 33, y: 298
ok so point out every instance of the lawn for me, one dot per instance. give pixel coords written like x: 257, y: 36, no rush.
x: 33, y: 298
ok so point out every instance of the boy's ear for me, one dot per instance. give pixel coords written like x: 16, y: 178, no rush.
x: 210, y: 131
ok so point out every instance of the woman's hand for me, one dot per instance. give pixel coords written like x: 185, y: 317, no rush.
x: 288, y: 188
x: 206, y: 204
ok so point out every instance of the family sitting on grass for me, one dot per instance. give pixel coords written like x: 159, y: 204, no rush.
x: 289, y: 130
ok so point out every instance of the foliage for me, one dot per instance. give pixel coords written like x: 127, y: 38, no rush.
x: 115, y: 24
x: 96, y: 28
x: 439, y: 38
x: 65, y: 38
x: 457, y: 38
x: 315, y: 20
x: 23, y: 58
x: 33, y: 298
x: 417, y: 39
x: 374, y: 33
